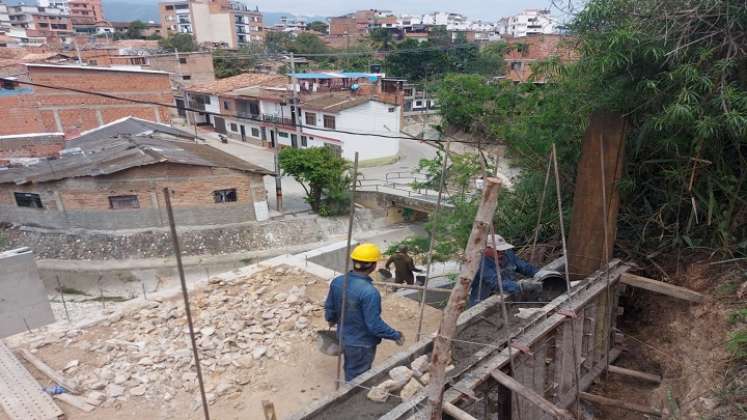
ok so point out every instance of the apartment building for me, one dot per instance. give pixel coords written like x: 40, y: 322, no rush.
x: 49, y: 22
x: 217, y: 23
x: 529, y: 22
x: 4, y: 16
x: 535, y: 48
x: 175, y: 17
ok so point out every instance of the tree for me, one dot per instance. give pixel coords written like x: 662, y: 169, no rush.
x: 180, y: 42
x: 229, y: 63
x: 489, y: 61
x: 381, y: 39
x: 277, y: 42
x: 415, y: 61
x: 135, y: 30
x: 318, y: 26
x: 307, y: 43
x: 323, y: 176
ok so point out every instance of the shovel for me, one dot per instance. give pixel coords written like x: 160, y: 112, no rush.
x: 327, y: 342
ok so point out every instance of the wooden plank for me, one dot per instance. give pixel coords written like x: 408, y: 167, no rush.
x: 586, y: 247
x: 21, y: 396
x: 530, y: 371
x: 661, y: 287
x: 457, y: 412
x: 441, y: 355
x: 531, y: 396
x: 635, y: 374
x: 52, y: 374
x: 587, y: 379
x: 76, y: 402
x: 566, y: 368
x: 598, y: 399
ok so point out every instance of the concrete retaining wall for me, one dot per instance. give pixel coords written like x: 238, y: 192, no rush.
x: 23, y: 299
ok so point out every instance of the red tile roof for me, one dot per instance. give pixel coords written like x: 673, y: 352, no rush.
x: 243, y: 80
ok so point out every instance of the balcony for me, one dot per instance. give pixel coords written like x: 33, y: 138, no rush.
x: 275, y: 119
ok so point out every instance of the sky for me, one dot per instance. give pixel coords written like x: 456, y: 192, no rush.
x: 487, y: 10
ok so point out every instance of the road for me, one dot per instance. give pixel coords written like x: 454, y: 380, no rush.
x: 410, y: 153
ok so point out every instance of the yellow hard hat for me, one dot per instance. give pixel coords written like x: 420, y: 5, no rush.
x: 366, y: 253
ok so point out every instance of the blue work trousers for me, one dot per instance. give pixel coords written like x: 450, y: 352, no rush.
x: 357, y: 360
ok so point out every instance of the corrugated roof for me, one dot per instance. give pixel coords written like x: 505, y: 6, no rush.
x: 105, y: 156
x: 334, y: 102
x: 243, y: 80
x: 127, y: 125
x: 334, y: 75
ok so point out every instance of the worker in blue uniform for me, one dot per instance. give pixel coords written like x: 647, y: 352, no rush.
x: 362, y: 328
x: 485, y: 282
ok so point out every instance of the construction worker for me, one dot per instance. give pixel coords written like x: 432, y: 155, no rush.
x: 485, y: 282
x: 362, y: 327
x: 403, y: 266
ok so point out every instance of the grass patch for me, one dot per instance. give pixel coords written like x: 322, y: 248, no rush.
x: 728, y: 288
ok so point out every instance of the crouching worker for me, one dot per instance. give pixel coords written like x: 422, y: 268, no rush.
x: 362, y: 327
x: 485, y: 282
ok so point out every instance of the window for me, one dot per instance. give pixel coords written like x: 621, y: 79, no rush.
x: 8, y: 84
x: 304, y: 143
x: 283, y: 134
x: 294, y: 141
x: 123, y: 202
x: 255, y: 132
x: 329, y: 121
x: 234, y: 127
x: 310, y: 118
x: 186, y: 77
x: 516, y: 65
x: 92, y: 62
x: 28, y: 200
x: 225, y: 105
x: 225, y: 196
x: 182, y: 60
x: 392, y: 109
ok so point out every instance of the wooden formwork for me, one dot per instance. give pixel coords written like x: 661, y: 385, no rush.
x: 571, y: 337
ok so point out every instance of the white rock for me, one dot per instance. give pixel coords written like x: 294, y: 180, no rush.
x: 425, y: 378
x: 292, y: 299
x: 71, y: 364
x: 114, y: 391
x: 401, y: 374
x: 258, y: 352
x: 302, y: 322
x: 410, y: 389
x: 95, y: 397
x: 280, y: 297
x: 189, y: 376
x: 121, y: 378
x: 379, y: 393
x: 268, y: 315
x: 145, y: 361
x: 167, y: 397
x: 421, y: 365
x: 207, y: 331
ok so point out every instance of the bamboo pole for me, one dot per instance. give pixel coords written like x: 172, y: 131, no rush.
x: 343, y: 303
x: 441, y: 356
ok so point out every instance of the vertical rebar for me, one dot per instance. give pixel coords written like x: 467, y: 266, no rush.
x: 421, y: 309
x: 62, y: 297
x: 185, y: 294
x: 539, y: 212
x: 347, y: 274
x: 608, y: 314
x: 567, y: 277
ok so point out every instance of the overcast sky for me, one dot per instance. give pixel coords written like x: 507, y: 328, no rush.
x: 488, y: 10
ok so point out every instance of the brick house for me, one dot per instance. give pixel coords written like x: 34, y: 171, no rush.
x: 19, y: 149
x: 108, y: 181
x: 526, y: 50
x: 31, y: 109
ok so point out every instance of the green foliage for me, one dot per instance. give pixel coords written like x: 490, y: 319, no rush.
x: 739, y: 316
x: 135, y: 30
x: 277, y: 42
x: 737, y: 344
x: 179, y: 42
x: 489, y: 61
x: 318, y: 26
x: 323, y: 176
x: 229, y: 63
x: 381, y: 39
x: 302, y: 43
x: 416, y: 246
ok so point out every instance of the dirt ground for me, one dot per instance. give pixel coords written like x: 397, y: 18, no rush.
x: 290, y: 380
x: 683, y: 342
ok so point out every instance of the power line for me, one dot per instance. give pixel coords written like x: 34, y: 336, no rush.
x: 352, y: 53
x: 238, y: 117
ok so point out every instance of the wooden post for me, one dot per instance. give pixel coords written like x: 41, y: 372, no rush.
x: 69, y: 385
x: 635, y: 374
x: 620, y: 404
x: 441, y: 356
x: 661, y: 287
x: 586, y: 248
x: 531, y: 396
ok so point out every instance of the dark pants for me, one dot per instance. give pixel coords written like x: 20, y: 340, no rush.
x: 357, y: 360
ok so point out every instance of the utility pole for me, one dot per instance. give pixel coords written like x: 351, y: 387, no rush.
x: 296, y: 101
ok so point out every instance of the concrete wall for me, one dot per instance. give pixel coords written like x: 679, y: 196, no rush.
x: 84, y: 202
x: 333, y: 256
x: 212, y: 27
x: 23, y: 299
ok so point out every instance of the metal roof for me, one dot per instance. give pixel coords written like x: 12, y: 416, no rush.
x: 127, y: 125
x: 334, y: 75
x: 109, y: 155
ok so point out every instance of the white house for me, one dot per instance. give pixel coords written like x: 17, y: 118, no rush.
x: 528, y: 22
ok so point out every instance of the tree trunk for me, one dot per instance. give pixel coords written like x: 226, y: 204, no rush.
x: 441, y: 356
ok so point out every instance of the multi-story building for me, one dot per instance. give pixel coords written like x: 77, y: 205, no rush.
x: 175, y: 17
x: 528, y: 22
x: 536, y: 48
x: 221, y: 22
x: 330, y: 108
x: 4, y: 16
x: 38, y: 21
x: 361, y: 22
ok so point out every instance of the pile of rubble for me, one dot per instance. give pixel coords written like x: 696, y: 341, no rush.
x: 239, y: 325
x: 406, y: 381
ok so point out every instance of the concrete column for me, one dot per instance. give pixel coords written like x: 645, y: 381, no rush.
x: 58, y: 201
x: 99, y: 117
x: 158, y: 114
x: 156, y: 207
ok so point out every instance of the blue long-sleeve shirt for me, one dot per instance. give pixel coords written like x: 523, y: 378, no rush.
x: 510, y: 265
x: 362, y: 326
